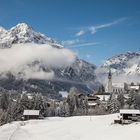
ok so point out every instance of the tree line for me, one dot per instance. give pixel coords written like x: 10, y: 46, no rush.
x: 13, y: 105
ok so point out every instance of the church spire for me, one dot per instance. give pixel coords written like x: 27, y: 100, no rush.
x: 109, y: 74
x: 110, y: 81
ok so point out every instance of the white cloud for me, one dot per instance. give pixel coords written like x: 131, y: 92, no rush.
x: 36, y: 73
x: 80, y: 33
x: 94, y: 29
x: 88, y: 56
x: 24, y: 58
x: 70, y: 42
x: 77, y: 43
x: 84, y: 44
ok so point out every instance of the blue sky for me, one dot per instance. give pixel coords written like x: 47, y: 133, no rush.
x: 94, y: 29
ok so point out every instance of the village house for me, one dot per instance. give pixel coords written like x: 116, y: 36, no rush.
x: 31, y: 114
x: 135, y: 88
x: 104, y: 97
x: 93, y: 101
x: 128, y: 116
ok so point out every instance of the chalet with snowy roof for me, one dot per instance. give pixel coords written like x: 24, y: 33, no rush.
x: 93, y: 101
x: 31, y: 114
x: 129, y: 115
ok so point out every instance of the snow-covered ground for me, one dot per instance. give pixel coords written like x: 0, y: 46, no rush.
x: 71, y: 128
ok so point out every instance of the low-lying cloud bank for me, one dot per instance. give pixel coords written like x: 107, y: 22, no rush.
x: 28, y: 59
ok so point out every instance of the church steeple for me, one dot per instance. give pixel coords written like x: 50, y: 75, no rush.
x: 110, y: 81
x: 109, y: 74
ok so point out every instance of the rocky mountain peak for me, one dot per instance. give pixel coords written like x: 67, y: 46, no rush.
x: 2, y: 30
x: 23, y: 33
x: 21, y: 27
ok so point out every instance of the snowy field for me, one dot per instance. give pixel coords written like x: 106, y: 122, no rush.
x: 71, y: 128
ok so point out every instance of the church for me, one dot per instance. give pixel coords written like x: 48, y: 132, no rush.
x: 113, y: 87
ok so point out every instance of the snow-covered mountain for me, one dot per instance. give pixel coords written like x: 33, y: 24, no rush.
x: 124, y: 67
x: 23, y: 33
x: 80, y: 74
x: 128, y: 63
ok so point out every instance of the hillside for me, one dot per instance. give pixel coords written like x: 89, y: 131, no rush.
x: 70, y: 128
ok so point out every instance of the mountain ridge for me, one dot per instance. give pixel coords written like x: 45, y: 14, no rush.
x: 127, y: 63
x: 23, y: 33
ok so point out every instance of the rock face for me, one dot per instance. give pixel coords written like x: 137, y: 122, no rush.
x: 80, y: 74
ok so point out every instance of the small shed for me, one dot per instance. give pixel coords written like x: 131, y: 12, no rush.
x: 130, y: 114
x: 31, y: 114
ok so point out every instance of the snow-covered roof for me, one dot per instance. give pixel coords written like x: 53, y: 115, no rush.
x: 134, y: 87
x: 129, y: 111
x: 63, y: 93
x: 92, y: 104
x: 118, y: 85
x: 102, y: 97
x: 31, y: 112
